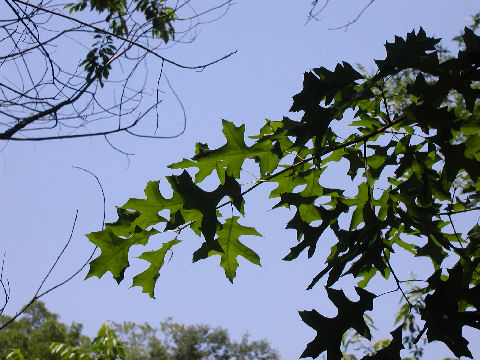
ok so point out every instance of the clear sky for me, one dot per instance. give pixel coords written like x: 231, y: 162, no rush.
x: 40, y: 189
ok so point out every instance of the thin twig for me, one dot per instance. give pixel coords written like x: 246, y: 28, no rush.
x: 397, y: 281
x: 312, y: 14
x: 455, y: 231
x: 101, y: 189
x: 5, y: 288
x: 167, y: 136
x: 39, y: 294
x: 453, y: 212
x: 367, y: 180
x: 352, y: 21
x: 59, y: 255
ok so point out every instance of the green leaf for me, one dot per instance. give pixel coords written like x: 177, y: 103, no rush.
x: 289, y: 180
x: 355, y: 157
x: 15, y: 355
x: 229, y: 158
x: 359, y: 202
x: 413, y: 52
x: 456, y: 160
x: 114, y: 251
x: 443, y: 318
x: 205, y: 202
x: 311, y: 234
x: 148, y: 278
x: 363, y: 249
x: 392, y: 351
x: 330, y: 331
x: 322, y: 83
x: 149, y: 208
x: 228, y: 238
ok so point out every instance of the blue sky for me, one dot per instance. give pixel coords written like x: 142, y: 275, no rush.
x: 40, y: 189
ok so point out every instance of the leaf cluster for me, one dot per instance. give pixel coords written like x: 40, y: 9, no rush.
x: 157, y: 14
x: 413, y: 166
x: 105, y: 346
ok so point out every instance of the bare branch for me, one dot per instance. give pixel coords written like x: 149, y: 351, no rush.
x: 355, y: 19
x: 134, y: 43
x: 5, y: 286
x: 42, y: 92
x: 314, y: 13
x: 38, y: 294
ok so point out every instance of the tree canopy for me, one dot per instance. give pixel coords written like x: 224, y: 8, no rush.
x: 173, y: 341
x: 35, y: 330
x: 38, y: 334
x: 411, y: 170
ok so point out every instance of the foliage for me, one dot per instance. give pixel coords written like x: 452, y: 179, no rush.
x: 409, y: 319
x: 34, y: 330
x: 174, y: 341
x: 97, y: 62
x: 353, y: 344
x: 105, y: 346
x: 414, y: 168
x: 39, y: 335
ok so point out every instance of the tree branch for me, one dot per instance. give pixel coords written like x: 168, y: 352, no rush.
x: 136, y: 44
x: 39, y: 294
